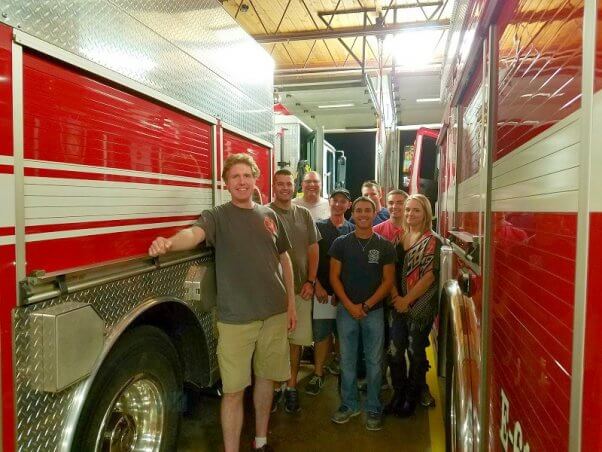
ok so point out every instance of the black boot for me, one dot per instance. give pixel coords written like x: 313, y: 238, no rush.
x: 416, y: 380
x: 408, y: 409
x: 396, y: 403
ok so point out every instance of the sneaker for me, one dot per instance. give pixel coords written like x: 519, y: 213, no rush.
x: 343, y: 414
x: 264, y: 448
x: 314, y: 385
x: 374, y: 421
x: 291, y: 400
x: 334, y: 367
x: 426, y: 398
x: 276, y: 400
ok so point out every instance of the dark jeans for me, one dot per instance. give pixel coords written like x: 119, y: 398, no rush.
x: 408, y: 337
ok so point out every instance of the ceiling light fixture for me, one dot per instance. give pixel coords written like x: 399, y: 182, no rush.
x: 336, y: 105
x: 415, y: 49
x: 428, y: 99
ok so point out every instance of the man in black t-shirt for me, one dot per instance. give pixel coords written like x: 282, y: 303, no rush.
x: 324, y: 329
x: 362, y: 272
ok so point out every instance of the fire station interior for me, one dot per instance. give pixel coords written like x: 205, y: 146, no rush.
x: 119, y: 123
x: 328, y: 56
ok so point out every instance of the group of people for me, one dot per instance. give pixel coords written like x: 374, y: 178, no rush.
x: 379, y: 268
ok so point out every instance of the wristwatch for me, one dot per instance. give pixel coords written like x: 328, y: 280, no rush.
x: 366, y: 308
x: 313, y: 283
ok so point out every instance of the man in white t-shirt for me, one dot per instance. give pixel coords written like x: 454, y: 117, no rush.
x: 311, y: 186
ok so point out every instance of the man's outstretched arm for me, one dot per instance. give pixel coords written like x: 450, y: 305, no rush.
x: 186, y: 239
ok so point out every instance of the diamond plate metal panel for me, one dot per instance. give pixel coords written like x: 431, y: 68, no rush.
x: 458, y: 16
x: 204, y: 30
x: 192, y: 51
x: 41, y: 416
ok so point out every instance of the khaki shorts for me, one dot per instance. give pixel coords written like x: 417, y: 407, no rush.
x: 261, y: 343
x: 303, y: 333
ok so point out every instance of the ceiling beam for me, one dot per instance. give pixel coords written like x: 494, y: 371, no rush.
x: 384, y: 8
x: 319, y: 86
x: 349, y: 49
x: 351, y: 32
x: 291, y: 72
x: 317, y: 28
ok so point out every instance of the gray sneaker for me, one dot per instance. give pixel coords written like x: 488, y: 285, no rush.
x: 374, y: 421
x: 343, y: 414
x: 426, y: 398
x: 333, y: 367
x: 314, y: 385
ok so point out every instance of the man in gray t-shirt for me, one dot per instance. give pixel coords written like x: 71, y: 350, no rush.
x: 304, y: 236
x: 244, y: 265
x: 255, y: 296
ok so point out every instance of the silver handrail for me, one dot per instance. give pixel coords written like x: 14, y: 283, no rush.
x: 446, y: 266
x: 464, y: 349
x: 41, y: 287
x: 445, y: 274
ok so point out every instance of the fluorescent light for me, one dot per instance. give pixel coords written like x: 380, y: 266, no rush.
x: 336, y: 105
x: 428, y: 99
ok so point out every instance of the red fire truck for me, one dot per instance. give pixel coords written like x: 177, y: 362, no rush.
x: 520, y: 207
x: 114, y: 120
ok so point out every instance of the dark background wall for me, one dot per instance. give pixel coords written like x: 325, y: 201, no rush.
x: 359, y: 150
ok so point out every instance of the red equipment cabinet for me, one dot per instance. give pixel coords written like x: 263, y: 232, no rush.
x: 519, y: 203
x: 106, y: 142
x: 422, y: 168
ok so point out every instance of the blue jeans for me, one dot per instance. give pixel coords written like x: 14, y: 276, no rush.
x: 372, y: 330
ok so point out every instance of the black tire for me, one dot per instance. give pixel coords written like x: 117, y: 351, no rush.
x: 143, y: 354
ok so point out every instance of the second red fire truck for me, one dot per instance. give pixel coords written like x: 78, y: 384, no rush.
x: 519, y: 206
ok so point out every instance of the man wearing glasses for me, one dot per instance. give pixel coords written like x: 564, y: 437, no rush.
x: 311, y: 199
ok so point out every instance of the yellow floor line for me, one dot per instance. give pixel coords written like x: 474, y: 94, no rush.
x: 436, y: 428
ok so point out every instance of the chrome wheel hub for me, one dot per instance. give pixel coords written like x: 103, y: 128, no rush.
x: 134, y: 419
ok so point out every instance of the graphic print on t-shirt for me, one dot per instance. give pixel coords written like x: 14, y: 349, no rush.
x: 373, y: 256
x: 269, y: 225
x: 416, y: 260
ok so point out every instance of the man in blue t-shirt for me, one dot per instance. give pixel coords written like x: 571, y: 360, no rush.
x: 362, y: 272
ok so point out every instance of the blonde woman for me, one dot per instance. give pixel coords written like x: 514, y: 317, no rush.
x: 414, y: 302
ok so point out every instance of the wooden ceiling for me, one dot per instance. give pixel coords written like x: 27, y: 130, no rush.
x: 306, y: 36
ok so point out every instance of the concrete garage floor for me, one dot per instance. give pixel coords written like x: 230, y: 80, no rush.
x: 312, y: 429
